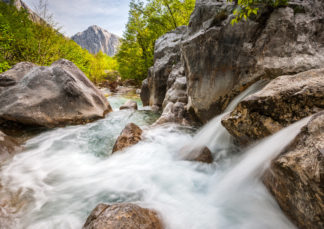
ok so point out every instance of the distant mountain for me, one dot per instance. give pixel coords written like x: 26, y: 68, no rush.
x: 21, y: 5
x: 95, y: 39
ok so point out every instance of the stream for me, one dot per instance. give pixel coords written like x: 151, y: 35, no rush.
x: 65, y: 172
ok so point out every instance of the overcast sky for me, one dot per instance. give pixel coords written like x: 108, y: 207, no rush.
x: 77, y: 15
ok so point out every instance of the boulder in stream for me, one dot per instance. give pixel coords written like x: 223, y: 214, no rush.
x: 129, y: 104
x: 130, y: 135
x: 296, y: 176
x: 283, y: 101
x: 199, y: 154
x: 122, y: 216
x: 52, y: 96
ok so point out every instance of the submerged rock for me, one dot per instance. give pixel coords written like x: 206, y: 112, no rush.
x: 130, y: 135
x: 8, y: 146
x: 130, y: 104
x: 122, y: 216
x: 283, y: 101
x: 52, y: 96
x: 296, y: 176
x: 199, y: 154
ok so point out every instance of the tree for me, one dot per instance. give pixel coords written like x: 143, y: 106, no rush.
x: 146, y: 23
x: 245, y: 8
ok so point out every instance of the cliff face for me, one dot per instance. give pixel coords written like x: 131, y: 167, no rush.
x: 221, y: 60
x: 96, y: 39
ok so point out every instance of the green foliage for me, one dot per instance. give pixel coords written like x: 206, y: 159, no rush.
x: 23, y: 40
x: 146, y: 23
x: 246, y: 8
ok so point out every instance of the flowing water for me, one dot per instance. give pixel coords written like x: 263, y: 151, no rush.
x: 64, y: 173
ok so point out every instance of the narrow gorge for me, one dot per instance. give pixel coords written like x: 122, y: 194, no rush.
x: 227, y: 131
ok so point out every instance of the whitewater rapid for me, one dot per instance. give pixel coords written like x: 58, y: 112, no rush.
x: 64, y: 173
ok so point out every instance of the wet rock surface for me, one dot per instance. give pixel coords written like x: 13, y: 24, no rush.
x: 130, y: 135
x: 52, y: 96
x: 199, y: 154
x: 8, y: 146
x: 296, y: 176
x: 283, y: 101
x: 130, y: 104
x: 122, y: 216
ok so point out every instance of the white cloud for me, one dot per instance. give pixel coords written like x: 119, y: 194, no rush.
x: 77, y: 15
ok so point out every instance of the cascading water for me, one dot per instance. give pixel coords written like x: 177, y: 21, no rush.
x: 64, y: 173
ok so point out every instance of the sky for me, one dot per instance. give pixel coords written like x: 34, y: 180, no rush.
x: 77, y: 15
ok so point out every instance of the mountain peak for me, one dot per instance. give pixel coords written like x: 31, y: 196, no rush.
x: 96, y: 39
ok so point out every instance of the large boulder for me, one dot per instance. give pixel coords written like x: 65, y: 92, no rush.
x: 52, y: 96
x: 283, y: 101
x: 8, y: 146
x: 122, y: 216
x: 296, y: 176
x: 15, y: 74
x: 166, y: 56
x: 129, y: 136
x: 221, y: 60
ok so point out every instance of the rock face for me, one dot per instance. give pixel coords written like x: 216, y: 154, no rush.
x: 120, y: 216
x: 221, y: 60
x: 96, y: 39
x: 130, y: 104
x: 283, y: 101
x: 51, y: 96
x: 130, y: 135
x: 296, y: 176
x: 8, y: 146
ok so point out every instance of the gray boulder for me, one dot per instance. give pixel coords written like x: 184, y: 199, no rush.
x: 52, y: 96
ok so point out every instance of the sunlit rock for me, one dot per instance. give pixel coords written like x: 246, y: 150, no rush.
x: 296, y: 176
x: 283, y: 101
x: 130, y: 135
x: 122, y: 216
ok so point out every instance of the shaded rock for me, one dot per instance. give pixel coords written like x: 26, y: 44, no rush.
x: 166, y: 55
x: 283, y: 101
x: 130, y: 135
x: 130, y: 104
x: 15, y: 74
x: 8, y: 146
x: 296, y: 176
x: 174, y: 112
x: 122, y: 216
x: 199, y: 154
x: 52, y: 96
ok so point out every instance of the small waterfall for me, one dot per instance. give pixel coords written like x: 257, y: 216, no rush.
x: 213, y: 134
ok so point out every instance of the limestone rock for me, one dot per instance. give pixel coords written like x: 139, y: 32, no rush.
x: 174, y: 112
x: 129, y: 104
x: 166, y: 56
x: 96, y: 39
x: 130, y: 135
x: 296, y: 176
x: 221, y: 60
x: 121, y: 216
x: 8, y: 146
x: 52, y: 96
x: 15, y: 74
x: 283, y: 101
x: 145, y: 93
